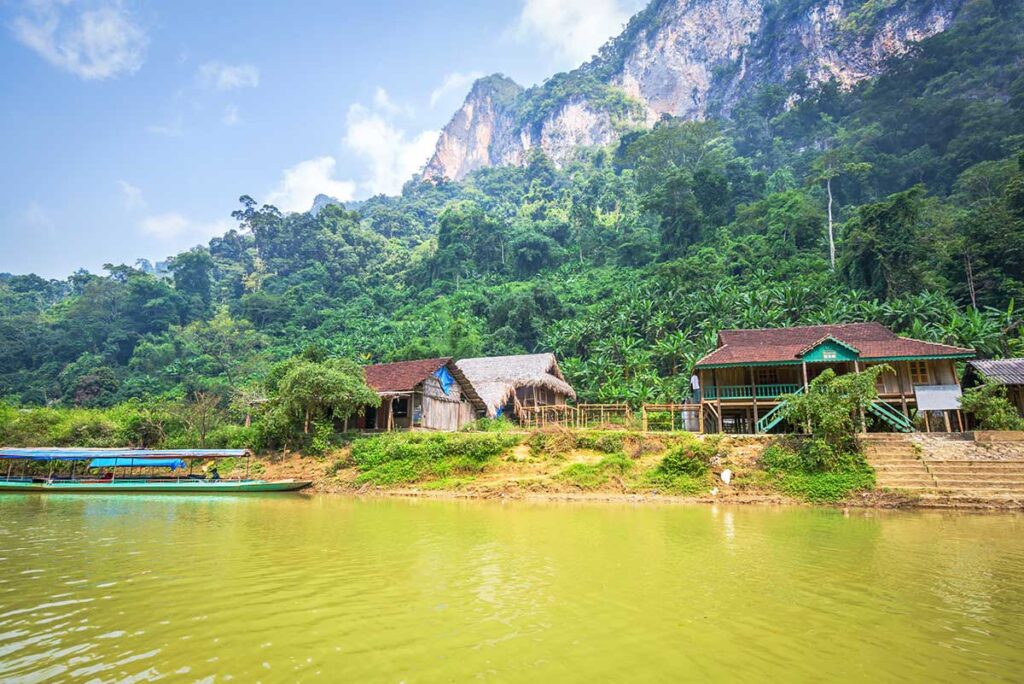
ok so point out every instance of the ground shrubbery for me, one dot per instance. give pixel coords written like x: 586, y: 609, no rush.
x: 394, y: 459
x: 991, y: 407
x: 593, y: 475
x: 813, y: 471
x: 685, y: 468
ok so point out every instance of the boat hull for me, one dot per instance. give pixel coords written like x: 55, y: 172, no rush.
x: 170, y: 487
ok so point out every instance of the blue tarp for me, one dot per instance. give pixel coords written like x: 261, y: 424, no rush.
x: 43, y: 454
x: 172, y: 463
x: 445, y: 378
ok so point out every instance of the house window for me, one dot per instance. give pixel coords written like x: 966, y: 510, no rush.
x: 919, y: 374
x: 767, y: 375
x: 400, y: 407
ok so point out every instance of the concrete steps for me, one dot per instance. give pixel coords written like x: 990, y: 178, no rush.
x: 901, y: 464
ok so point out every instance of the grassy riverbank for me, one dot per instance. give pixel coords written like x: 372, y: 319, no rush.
x: 582, y: 464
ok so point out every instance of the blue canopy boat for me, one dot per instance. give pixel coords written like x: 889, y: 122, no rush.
x: 115, y: 470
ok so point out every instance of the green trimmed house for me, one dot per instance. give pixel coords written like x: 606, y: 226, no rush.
x: 742, y: 381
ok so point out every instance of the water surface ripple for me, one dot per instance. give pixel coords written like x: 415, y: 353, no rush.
x: 292, y: 588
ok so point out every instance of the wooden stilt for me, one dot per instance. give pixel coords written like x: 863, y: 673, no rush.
x: 718, y: 400
x: 901, y: 370
x: 945, y: 419
x: 753, y: 392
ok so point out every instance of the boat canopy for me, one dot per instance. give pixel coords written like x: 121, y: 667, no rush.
x: 51, y: 454
x: 172, y: 463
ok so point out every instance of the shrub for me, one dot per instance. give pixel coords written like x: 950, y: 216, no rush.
x: 402, y: 458
x: 593, y: 475
x: 815, y: 472
x: 605, y: 442
x: 233, y: 437
x: 554, y: 441
x: 490, y: 425
x: 991, y: 407
x: 691, y: 459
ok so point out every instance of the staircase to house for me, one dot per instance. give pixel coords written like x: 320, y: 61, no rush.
x: 773, y: 417
x: 894, y: 419
x: 901, y: 466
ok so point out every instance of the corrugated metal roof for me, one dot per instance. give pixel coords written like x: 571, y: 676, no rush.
x: 1003, y: 371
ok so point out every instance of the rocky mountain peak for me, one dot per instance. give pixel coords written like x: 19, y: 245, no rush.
x: 685, y: 58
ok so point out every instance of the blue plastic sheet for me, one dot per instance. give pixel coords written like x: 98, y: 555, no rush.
x: 172, y: 463
x: 445, y: 378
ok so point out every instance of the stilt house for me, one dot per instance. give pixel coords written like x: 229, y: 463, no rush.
x: 742, y: 382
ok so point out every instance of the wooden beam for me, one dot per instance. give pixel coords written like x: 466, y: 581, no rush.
x: 718, y: 400
x: 903, y: 368
x: 753, y: 391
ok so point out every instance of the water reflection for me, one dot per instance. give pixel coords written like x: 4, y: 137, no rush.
x: 130, y: 588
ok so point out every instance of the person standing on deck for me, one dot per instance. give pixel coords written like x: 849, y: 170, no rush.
x: 695, y: 386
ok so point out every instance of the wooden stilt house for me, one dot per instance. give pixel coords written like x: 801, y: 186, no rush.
x: 742, y: 381
x: 429, y: 394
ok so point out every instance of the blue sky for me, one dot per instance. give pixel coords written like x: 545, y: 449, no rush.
x: 130, y: 129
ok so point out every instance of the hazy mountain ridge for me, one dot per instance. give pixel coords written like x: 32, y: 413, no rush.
x: 685, y: 58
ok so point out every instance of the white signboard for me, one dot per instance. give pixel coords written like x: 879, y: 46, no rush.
x: 937, y: 397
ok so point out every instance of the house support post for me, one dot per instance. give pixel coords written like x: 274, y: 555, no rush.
x: 803, y: 367
x: 903, y: 371
x: 860, y: 411
x: 718, y: 400
x: 753, y: 393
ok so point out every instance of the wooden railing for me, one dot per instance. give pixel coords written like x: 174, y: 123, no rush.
x: 747, y: 391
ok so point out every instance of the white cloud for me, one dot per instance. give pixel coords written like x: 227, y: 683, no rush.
x: 173, y: 129
x: 37, y: 215
x: 131, y: 195
x: 230, y: 117
x: 174, y: 227
x: 304, y: 181
x: 382, y: 101
x: 391, y: 154
x: 455, y: 82
x: 573, y: 29
x: 220, y: 76
x: 101, y: 41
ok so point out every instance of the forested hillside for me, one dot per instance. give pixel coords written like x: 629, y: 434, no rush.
x: 624, y: 262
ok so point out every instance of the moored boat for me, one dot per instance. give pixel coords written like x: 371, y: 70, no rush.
x: 130, y: 471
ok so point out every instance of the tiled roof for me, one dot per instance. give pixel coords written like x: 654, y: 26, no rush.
x: 781, y: 345
x: 403, y: 376
x: 1003, y: 371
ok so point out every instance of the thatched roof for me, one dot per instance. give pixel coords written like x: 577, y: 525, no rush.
x: 496, y: 378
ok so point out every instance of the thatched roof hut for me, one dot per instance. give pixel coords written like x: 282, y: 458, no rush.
x: 527, y: 379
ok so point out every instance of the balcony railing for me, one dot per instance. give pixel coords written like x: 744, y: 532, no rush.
x: 747, y: 391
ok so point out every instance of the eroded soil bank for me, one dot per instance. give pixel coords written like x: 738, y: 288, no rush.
x: 528, y: 473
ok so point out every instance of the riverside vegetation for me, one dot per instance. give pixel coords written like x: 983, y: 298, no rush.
x: 625, y: 262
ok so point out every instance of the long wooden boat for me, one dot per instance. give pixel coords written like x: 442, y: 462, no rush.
x: 153, y: 486
x: 98, y: 473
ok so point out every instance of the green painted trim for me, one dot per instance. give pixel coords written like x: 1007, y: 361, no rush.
x: 842, y: 352
x: 745, y: 365
x: 931, y: 357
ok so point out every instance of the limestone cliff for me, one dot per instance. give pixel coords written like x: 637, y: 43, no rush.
x: 685, y: 58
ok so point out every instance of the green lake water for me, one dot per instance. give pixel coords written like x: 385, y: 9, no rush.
x: 284, y: 588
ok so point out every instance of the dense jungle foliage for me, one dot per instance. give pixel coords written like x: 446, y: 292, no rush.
x: 625, y: 262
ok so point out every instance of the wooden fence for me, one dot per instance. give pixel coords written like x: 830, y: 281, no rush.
x: 651, y: 418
